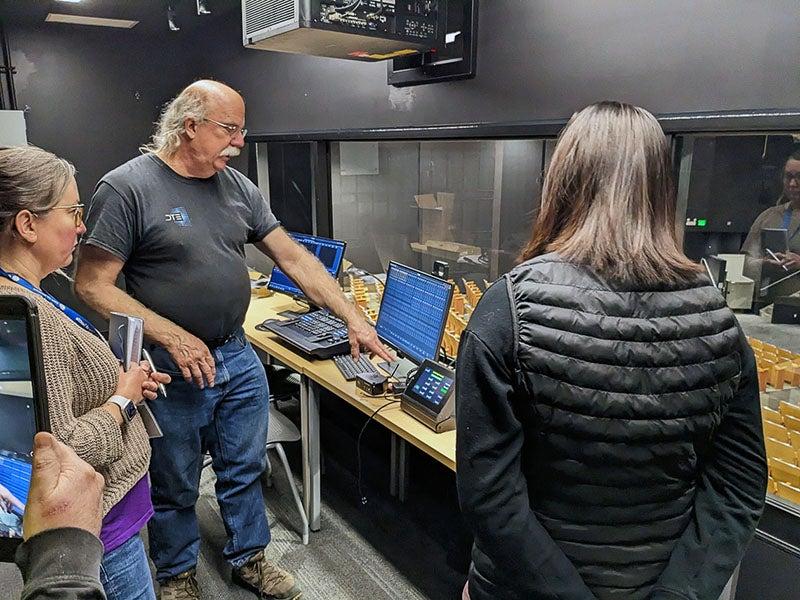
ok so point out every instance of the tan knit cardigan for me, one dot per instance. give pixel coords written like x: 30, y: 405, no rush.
x: 81, y: 375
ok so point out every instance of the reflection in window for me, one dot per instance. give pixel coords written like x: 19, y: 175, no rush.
x: 467, y: 203
x: 742, y: 200
x: 743, y: 205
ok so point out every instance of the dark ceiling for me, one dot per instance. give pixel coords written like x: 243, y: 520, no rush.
x: 151, y: 14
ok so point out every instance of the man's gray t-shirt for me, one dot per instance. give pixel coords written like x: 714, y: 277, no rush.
x: 182, y: 240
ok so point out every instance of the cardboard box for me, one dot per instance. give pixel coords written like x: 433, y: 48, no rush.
x: 431, y: 224
x: 436, y: 215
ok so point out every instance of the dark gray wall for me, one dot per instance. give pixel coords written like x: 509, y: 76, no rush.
x: 91, y: 94
x: 537, y: 60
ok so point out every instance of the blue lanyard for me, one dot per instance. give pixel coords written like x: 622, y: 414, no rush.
x: 59, y: 305
x: 787, y: 217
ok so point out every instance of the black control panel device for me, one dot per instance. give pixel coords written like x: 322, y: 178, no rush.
x: 318, y: 334
x: 429, y: 396
x: 364, y: 30
x: 372, y: 384
x: 409, y: 20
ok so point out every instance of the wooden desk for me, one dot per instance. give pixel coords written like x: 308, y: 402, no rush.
x: 318, y: 374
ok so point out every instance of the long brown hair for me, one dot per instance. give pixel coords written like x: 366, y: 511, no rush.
x: 608, y: 199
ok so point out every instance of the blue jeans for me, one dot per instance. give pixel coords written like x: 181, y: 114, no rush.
x: 230, y: 422
x: 125, y: 574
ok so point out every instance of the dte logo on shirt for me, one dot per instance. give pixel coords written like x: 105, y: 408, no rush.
x: 178, y: 215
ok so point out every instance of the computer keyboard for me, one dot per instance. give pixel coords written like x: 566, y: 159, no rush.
x: 319, y: 323
x: 349, y: 368
x: 317, y: 333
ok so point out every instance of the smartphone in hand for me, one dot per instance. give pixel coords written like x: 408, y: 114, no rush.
x: 23, y: 412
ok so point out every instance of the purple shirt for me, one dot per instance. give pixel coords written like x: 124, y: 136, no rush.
x: 127, y: 517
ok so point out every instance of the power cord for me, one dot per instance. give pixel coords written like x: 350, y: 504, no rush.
x: 352, y: 6
x: 358, y: 444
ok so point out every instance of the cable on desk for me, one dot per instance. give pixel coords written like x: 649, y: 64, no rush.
x: 409, y: 376
x: 358, y: 444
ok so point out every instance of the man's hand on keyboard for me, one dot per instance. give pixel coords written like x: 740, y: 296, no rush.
x: 362, y: 334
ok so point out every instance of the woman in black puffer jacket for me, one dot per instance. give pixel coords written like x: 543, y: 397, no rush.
x: 609, y: 435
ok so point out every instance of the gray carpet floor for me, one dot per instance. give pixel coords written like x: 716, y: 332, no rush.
x: 341, y: 562
x: 338, y: 563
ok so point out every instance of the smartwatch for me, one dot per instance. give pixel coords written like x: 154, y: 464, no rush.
x: 126, y: 407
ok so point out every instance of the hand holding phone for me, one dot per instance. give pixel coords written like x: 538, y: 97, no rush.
x: 65, y: 490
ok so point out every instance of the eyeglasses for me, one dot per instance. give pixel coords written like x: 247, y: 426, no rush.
x: 77, y: 212
x: 231, y: 129
x: 789, y: 176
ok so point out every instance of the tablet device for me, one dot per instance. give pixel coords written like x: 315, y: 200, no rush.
x: 776, y: 240
x: 23, y: 412
x: 429, y: 396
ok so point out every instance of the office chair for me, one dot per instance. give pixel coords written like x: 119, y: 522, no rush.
x: 281, y: 431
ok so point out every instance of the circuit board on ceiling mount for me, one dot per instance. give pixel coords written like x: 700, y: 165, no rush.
x: 365, y: 30
x: 414, y: 20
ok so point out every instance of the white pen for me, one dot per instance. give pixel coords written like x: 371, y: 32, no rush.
x: 773, y: 255
x: 149, y: 359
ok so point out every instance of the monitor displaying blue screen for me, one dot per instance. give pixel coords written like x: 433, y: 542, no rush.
x: 329, y: 252
x: 413, y: 312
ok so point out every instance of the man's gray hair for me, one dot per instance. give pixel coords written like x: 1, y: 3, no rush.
x: 191, y: 103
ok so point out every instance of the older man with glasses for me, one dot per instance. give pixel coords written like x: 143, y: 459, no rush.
x: 175, y: 221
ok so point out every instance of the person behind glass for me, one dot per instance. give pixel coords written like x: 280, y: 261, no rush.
x: 766, y: 269
x: 91, y: 401
x: 60, y: 557
x: 609, y: 439
x: 175, y: 221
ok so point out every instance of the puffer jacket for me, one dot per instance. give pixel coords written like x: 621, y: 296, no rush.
x: 634, y: 418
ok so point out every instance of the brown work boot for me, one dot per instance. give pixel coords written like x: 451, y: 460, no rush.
x: 180, y: 587
x: 265, y: 579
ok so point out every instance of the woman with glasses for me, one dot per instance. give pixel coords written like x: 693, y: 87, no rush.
x: 776, y: 271
x: 91, y: 400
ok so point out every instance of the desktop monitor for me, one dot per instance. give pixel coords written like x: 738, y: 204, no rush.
x: 329, y: 252
x: 413, y: 313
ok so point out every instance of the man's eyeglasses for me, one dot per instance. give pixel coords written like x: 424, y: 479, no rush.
x: 789, y: 176
x: 75, y: 209
x: 231, y: 129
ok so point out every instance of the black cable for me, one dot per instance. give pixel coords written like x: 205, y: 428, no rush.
x: 411, y: 374
x: 8, y: 69
x: 358, y: 446
x: 350, y: 7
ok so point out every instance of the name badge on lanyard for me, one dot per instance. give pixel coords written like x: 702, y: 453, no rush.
x: 72, y: 314
x: 787, y: 218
